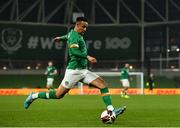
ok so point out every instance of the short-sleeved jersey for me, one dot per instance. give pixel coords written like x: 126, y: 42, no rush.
x: 124, y: 73
x: 76, y: 42
x: 50, y: 70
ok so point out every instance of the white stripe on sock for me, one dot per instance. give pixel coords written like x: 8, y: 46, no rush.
x: 110, y: 107
x: 47, y: 95
x: 35, y: 96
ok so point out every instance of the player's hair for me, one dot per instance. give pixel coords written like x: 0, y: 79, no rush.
x: 81, y: 19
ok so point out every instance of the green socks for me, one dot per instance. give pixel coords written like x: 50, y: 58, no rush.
x: 42, y: 95
x: 52, y: 95
x: 106, y: 96
x: 47, y: 95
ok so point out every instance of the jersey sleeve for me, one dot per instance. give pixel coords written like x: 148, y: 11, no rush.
x: 55, y: 69
x: 74, y: 48
x: 64, y: 38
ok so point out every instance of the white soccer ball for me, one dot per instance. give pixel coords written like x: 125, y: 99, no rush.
x: 108, y: 118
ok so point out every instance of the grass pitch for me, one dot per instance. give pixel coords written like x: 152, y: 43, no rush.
x: 84, y: 111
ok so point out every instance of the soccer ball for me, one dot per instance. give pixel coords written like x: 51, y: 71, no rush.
x: 108, y: 118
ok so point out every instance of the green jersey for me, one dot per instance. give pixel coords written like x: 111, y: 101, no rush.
x: 63, y: 38
x: 77, y: 51
x: 124, y: 73
x: 49, y: 71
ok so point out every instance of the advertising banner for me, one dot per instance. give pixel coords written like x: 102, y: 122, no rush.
x: 114, y: 42
x: 34, y: 41
x: 31, y: 41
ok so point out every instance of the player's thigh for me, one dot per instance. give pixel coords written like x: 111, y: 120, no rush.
x: 94, y: 80
x: 71, y: 78
x: 125, y: 82
x: 50, y: 81
x: 61, y: 91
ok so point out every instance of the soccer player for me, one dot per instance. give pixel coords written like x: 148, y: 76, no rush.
x: 124, y: 79
x: 51, y: 72
x: 77, y: 70
x: 150, y: 82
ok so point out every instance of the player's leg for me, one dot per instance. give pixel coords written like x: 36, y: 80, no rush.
x: 96, y: 81
x: 102, y: 85
x: 59, y: 93
x: 54, y: 94
x: 70, y: 79
x: 126, y: 89
x: 151, y: 88
x: 49, y: 84
x: 122, y: 92
x: 126, y: 92
x: 125, y: 84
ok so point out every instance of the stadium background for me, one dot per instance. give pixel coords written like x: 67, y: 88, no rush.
x: 144, y: 33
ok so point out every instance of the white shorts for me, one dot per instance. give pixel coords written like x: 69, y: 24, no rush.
x: 73, y: 76
x: 50, y: 81
x: 125, y: 82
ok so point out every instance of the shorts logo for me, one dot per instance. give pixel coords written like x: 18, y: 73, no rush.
x: 66, y: 82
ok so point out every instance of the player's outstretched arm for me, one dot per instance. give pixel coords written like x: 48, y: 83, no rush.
x: 92, y: 59
x: 60, y: 38
x: 56, y: 39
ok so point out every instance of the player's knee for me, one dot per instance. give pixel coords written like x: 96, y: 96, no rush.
x: 126, y: 88
x: 49, y: 86
x: 60, y: 96
x: 99, y: 83
x: 103, y: 84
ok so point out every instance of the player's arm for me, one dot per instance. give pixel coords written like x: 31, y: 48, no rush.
x: 92, y: 59
x: 55, y: 72
x: 76, y: 52
x: 74, y: 47
x: 60, y: 38
x: 46, y: 72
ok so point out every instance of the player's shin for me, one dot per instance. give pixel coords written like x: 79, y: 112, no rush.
x: 106, y: 98
x: 47, y: 95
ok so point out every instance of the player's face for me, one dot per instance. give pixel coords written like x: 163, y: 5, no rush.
x: 50, y: 64
x: 127, y: 65
x: 82, y: 27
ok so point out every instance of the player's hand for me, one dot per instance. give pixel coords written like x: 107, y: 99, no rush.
x: 56, y: 39
x: 92, y: 59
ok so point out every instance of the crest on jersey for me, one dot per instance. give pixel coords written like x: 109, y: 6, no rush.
x: 66, y: 82
x: 11, y: 39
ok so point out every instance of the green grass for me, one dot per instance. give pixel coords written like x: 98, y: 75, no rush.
x: 82, y: 111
